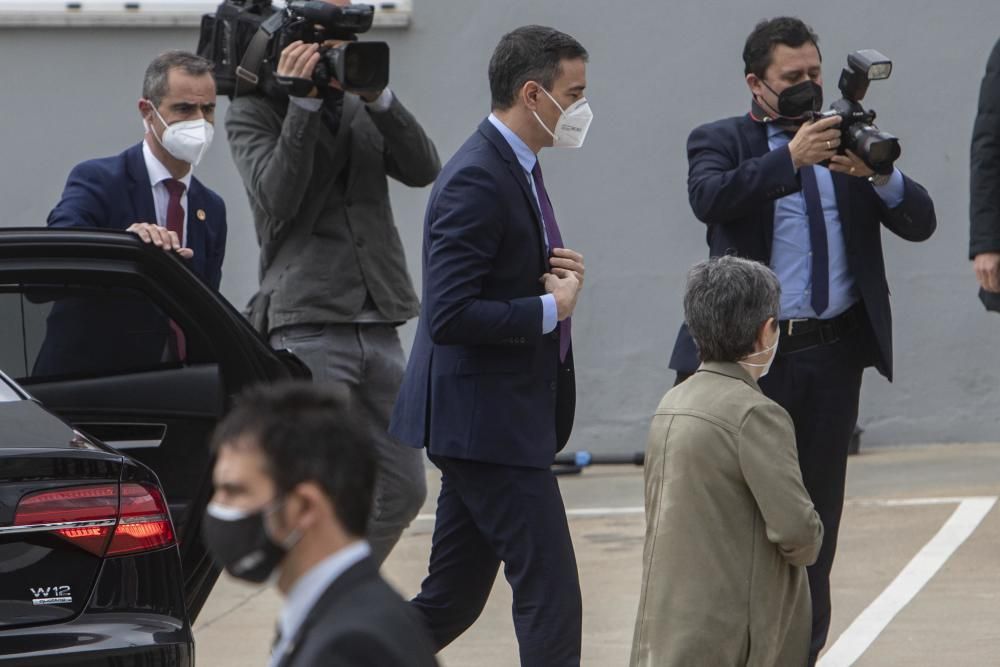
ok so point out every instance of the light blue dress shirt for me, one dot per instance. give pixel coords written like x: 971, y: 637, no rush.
x: 527, y: 159
x: 791, y: 251
x: 307, y: 591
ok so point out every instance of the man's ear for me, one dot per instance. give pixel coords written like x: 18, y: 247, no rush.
x: 145, y: 109
x: 529, y: 95
x: 310, y: 505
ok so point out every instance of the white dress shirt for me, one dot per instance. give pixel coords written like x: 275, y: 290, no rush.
x: 161, y: 196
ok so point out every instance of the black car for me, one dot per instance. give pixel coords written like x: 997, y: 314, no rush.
x: 118, y: 364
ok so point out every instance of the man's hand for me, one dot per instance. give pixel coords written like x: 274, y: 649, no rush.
x: 815, y: 141
x: 564, y: 258
x: 298, y: 60
x: 987, y: 267
x: 851, y: 165
x: 368, y: 96
x: 160, y: 237
x: 565, y: 287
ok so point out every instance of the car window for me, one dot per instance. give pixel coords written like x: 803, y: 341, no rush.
x: 77, y: 330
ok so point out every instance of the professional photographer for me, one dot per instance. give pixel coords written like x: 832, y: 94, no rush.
x: 334, y: 282
x: 759, y: 183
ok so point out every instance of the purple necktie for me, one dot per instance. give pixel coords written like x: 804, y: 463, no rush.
x: 554, y: 241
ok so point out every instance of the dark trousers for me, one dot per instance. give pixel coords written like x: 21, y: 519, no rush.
x: 820, y: 388
x: 488, y: 514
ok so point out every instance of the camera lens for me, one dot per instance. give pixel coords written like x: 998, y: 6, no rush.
x: 876, y: 148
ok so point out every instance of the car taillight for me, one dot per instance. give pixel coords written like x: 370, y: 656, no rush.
x: 107, y: 523
x: 94, y: 505
x: 143, y: 524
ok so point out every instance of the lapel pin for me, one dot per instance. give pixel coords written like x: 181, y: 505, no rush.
x: 201, y: 214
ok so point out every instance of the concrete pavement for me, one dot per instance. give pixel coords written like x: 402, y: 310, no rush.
x: 952, y: 619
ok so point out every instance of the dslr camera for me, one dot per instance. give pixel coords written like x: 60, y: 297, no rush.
x: 878, y: 149
x: 245, y: 38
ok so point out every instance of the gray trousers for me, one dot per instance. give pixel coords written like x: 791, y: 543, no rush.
x: 364, y: 364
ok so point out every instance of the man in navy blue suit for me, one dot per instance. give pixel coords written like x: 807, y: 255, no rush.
x: 148, y: 190
x: 489, y: 389
x: 758, y: 182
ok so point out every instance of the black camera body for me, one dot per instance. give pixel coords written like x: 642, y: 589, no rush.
x: 245, y: 38
x: 858, y: 133
x: 357, y: 66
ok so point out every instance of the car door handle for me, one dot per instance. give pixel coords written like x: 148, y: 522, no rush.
x: 126, y: 435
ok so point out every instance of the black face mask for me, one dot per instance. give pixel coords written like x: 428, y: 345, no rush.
x: 239, y: 542
x: 798, y: 102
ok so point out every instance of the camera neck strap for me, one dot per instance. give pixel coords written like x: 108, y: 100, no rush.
x: 256, y: 52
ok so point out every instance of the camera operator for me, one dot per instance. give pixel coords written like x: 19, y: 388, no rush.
x: 984, y: 209
x: 757, y: 182
x: 334, y: 282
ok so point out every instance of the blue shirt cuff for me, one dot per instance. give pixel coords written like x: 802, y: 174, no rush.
x: 307, y: 103
x: 550, y: 314
x: 892, y: 192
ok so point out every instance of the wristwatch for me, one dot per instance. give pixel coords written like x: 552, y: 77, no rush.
x: 879, y: 179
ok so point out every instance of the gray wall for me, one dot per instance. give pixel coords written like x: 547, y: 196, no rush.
x: 657, y: 70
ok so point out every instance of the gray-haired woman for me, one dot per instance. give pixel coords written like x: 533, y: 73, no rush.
x: 729, y: 525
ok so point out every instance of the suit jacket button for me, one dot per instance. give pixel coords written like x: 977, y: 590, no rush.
x: 552, y: 385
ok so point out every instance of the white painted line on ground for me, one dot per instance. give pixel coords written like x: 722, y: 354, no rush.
x: 873, y: 620
x: 583, y: 511
x: 909, y: 502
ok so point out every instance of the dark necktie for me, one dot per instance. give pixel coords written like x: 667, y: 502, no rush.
x: 555, y: 241
x: 175, y: 223
x: 332, y: 109
x: 820, y: 277
x: 175, y: 213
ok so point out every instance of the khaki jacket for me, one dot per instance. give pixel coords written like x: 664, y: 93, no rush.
x: 729, y: 529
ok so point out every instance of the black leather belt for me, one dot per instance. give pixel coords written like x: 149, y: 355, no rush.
x: 798, y: 334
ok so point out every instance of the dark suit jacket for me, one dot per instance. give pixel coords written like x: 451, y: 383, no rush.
x: 361, y: 622
x: 984, y: 196
x: 99, y: 333
x: 114, y: 193
x: 733, y: 182
x: 483, y: 383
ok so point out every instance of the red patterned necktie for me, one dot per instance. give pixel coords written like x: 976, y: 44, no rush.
x: 175, y: 212
x: 175, y: 223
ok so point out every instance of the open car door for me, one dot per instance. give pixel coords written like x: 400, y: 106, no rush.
x: 125, y: 343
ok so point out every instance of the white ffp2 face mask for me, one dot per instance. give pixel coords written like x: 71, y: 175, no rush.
x: 186, y: 140
x: 573, y: 124
x: 767, y: 365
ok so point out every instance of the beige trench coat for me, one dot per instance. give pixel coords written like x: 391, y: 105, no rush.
x: 729, y: 529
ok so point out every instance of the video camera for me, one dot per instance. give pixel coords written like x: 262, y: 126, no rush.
x: 244, y: 38
x: 878, y: 149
